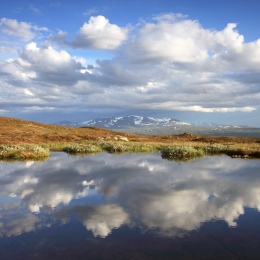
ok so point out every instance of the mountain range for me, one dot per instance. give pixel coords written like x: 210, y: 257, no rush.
x: 158, y: 126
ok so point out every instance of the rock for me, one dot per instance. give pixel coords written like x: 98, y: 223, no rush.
x: 115, y: 137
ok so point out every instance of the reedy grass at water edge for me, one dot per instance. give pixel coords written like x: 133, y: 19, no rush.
x: 189, y: 153
x: 181, y: 153
x: 110, y: 147
x: 23, y: 152
x: 175, y: 151
x: 215, y: 149
x: 123, y: 147
x: 87, y: 148
x: 180, y: 150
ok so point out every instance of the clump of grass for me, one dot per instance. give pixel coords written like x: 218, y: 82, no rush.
x: 82, y: 149
x: 115, y: 147
x: 23, y: 152
x: 181, y: 153
x: 55, y: 146
x: 123, y: 147
x: 215, y: 149
x: 144, y: 148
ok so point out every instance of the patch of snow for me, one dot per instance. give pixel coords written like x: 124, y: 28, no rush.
x: 138, y: 120
x: 86, y: 122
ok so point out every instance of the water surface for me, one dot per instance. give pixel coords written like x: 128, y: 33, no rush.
x: 130, y: 207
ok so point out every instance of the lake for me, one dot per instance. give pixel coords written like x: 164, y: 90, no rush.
x: 130, y: 206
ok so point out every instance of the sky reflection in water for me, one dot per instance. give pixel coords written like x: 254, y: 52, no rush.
x: 107, y: 191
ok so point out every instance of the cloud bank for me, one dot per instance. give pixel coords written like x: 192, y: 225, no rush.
x: 168, y: 64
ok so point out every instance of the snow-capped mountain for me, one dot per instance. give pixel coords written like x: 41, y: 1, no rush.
x: 158, y: 126
x: 128, y: 121
x: 132, y: 121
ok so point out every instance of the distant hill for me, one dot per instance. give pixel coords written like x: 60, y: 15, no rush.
x: 15, y: 131
x: 200, y: 130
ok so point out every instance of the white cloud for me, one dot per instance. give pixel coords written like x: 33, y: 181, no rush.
x: 176, y: 42
x: 60, y: 38
x: 98, y: 33
x: 25, y: 31
x: 90, y: 11
x: 169, y: 17
x: 49, y: 65
x: 228, y: 40
x: 216, y: 109
x: 4, y: 49
x: 169, y: 40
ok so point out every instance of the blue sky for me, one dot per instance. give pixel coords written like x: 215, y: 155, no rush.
x: 193, y: 60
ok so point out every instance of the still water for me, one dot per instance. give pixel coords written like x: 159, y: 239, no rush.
x: 132, y: 206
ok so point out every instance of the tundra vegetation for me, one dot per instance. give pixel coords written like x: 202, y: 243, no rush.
x: 25, y: 140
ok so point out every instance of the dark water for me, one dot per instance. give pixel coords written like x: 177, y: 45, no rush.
x: 130, y: 207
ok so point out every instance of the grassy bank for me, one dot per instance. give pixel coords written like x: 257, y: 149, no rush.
x: 23, y: 139
x: 178, y: 151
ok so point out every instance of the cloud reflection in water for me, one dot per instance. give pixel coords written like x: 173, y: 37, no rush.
x: 107, y: 191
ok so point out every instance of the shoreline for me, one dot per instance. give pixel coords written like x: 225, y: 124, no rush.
x: 170, y: 151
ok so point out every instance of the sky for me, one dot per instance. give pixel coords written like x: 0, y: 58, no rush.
x: 191, y: 60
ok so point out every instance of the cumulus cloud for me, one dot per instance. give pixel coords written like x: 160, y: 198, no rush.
x: 49, y: 65
x: 182, y: 41
x: 25, y: 31
x: 98, y: 33
x: 43, y: 78
x: 171, y: 60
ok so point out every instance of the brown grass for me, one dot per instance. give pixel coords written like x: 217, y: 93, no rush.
x: 17, y: 131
